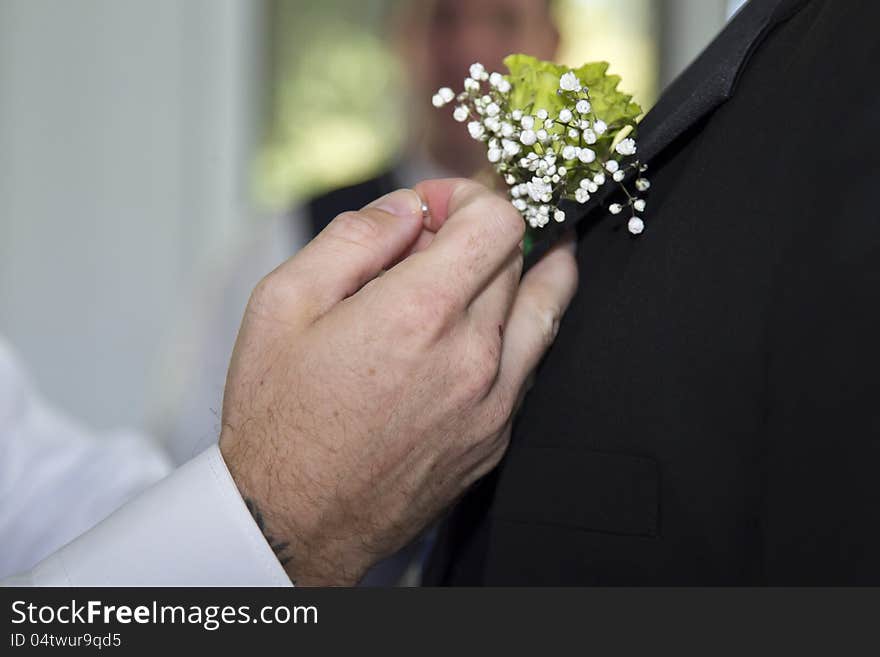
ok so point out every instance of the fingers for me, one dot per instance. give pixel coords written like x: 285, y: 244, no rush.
x: 477, y: 231
x: 436, y: 195
x: 353, y: 249
x: 542, y: 299
x: 490, y: 310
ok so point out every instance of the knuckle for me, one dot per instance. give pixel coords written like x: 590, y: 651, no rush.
x: 507, y: 223
x: 546, y: 322
x: 266, y: 292
x: 501, y: 218
x: 352, y: 227
x: 550, y: 326
x: 499, y: 410
x: 480, y: 370
x: 274, y: 294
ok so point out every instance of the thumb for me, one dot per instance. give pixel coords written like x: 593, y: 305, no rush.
x: 351, y: 251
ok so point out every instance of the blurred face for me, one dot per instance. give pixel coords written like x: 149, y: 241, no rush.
x: 446, y: 36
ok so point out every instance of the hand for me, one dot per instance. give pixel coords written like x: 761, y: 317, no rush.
x: 358, y: 406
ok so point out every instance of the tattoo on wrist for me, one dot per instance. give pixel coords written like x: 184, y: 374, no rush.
x: 280, y: 548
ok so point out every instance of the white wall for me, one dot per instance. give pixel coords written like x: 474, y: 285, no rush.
x: 125, y: 131
x: 686, y: 28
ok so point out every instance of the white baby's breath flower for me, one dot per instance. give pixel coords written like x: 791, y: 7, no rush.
x: 443, y: 96
x: 528, y: 137
x: 587, y: 155
x: 636, y: 226
x: 478, y: 71
x: 643, y: 184
x: 538, y: 189
x: 562, y: 167
x: 511, y: 148
x: 626, y: 147
x: 492, y: 124
x: 615, y: 208
x: 569, y: 82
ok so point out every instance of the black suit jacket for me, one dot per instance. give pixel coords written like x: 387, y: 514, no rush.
x: 709, y: 412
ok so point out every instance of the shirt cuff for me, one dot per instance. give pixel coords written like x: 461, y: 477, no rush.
x: 190, y: 529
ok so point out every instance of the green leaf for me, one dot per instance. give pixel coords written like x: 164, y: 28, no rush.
x: 535, y: 84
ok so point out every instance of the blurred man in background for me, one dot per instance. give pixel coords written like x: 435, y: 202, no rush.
x: 440, y: 43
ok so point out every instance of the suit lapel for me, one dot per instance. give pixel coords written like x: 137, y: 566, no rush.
x: 704, y: 86
x: 709, y: 81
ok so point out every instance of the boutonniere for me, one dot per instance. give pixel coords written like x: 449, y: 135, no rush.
x: 554, y: 134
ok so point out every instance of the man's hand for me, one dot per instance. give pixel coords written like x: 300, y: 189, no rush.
x: 362, y: 402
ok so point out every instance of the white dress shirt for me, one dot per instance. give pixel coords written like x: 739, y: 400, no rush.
x: 60, y: 485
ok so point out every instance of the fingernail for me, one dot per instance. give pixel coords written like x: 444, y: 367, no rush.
x: 402, y: 203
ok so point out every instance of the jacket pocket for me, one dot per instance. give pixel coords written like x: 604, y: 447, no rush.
x: 583, y: 489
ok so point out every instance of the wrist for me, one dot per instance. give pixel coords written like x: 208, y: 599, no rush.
x: 308, y: 555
